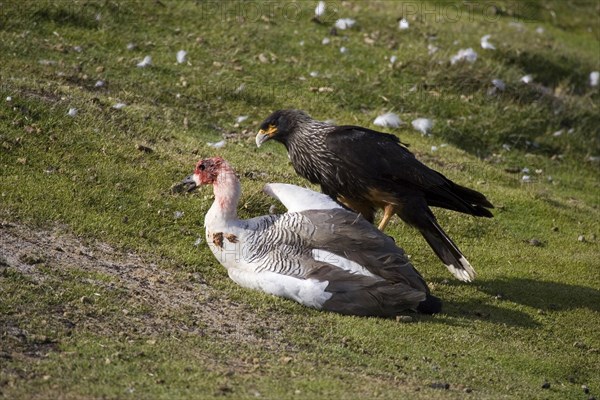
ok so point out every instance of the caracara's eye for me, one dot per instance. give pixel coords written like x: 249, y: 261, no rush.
x: 201, y: 167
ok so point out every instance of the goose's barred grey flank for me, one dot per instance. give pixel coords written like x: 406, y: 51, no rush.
x: 318, y: 253
x: 366, y: 170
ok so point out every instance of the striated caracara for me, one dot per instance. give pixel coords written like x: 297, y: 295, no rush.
x: 366, y: 170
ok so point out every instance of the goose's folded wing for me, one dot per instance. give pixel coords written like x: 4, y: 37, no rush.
x: 296, y: 198
x: 348, y: 235
x: 355, y: 294
x: 284, y: 250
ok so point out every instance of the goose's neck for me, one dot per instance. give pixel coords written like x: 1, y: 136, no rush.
x: 227, y: 192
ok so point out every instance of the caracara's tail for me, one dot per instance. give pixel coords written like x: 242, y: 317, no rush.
x: 446, y: 250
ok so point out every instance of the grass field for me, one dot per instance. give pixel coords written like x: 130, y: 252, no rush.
x: 105, y: 291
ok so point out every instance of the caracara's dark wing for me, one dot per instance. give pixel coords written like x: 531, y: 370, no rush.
x: 384, y: 162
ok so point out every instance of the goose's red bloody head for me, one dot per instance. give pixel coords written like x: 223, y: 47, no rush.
x: 207, y: 170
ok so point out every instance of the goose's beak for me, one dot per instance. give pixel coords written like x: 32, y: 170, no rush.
x: 186, y: 185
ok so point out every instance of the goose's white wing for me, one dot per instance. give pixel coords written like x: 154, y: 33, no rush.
x: 297, y: 199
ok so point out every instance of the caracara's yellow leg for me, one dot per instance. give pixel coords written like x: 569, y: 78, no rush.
x: 388, y: 213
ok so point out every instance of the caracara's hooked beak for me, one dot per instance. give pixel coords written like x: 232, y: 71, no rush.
x: 186, y: 185
x: 264, y: 135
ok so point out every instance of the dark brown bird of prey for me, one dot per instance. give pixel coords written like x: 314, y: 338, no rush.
x: 366, y: 170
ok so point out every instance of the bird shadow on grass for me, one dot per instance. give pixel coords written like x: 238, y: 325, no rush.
x: 464, y: 312
x: 545, y: 296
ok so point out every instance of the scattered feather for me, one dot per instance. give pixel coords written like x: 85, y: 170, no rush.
x: 388, y: 120
x: 178, y: 214
x: 558, y: 133
x: 8, y: 98
x: 393, y: 59
x: 499, y: 84
x: 525, y: 170
x: 131, y: 46
x: 241, y: 119
x: 320, y: 9
x: 526, y: 178
x: 344, y: 23
x: 99, y: 84
x: 485, y: 44
x: 540, y: 30
x: 325, y: 40
x: 527, y: 79
x: 263, y: 58
x: 594, y: 78
x: 423, y: 125
x: 216, y: 145
x: 434, y: 148
x: 181, y: 56
x: 272, y: 209
x: 343, y: 50
x: 78, y: 49
x: 72, y: 112
x: 314, y: 74
x: 506, y: 147
x: 47, y: 62
x: 301, y: 43
x: 517, y: 25
x: 147, y: 61
x: 198, y: 242
x: 403, y: 24
x: 119, y: 106
x: 240, y: 88
x: 431, y: 49
x: 468, y: 55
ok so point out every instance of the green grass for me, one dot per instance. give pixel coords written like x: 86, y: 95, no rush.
x: 532, y: 315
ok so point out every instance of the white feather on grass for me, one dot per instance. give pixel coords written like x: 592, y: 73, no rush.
x: 325, y: 41
x: 146, y: 62
x: 181, y: 56
x: 499, y: 84
x: 241, y: 119
x: 320, y: 9
x: 468, y: 55
x: 119, y: 106
x: 485, y: 44
x: 72, y: 112
x: 344, y: 23
x: 423, y: 125
x: 527, y: 79
x: 594, y: 78
x: 216, y: 145
x: 388, y: 120
x: 403, y: 24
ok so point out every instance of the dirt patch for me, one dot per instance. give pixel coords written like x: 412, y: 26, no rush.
x: 175, y: 302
